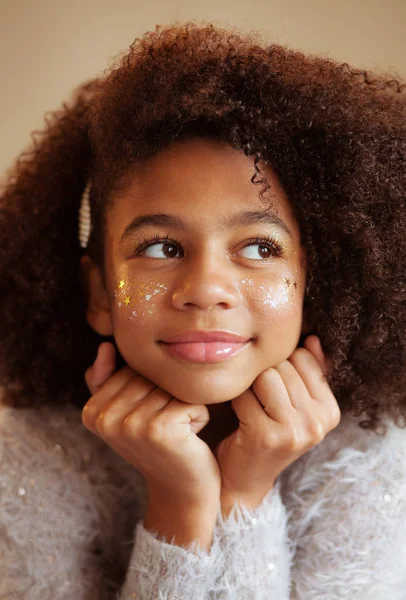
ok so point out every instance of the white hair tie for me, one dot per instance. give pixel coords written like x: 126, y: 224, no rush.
x: 85, y: 224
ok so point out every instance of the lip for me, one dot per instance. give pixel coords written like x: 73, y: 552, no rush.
x: 204, y: 352
x: 206, y: 336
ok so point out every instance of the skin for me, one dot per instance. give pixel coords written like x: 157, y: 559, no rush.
x: 216, y: 278
x: 217, y: 283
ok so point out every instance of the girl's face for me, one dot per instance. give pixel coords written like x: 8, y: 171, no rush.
x: 181, y: 256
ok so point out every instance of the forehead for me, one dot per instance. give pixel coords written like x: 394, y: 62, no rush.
x: 203, y: 180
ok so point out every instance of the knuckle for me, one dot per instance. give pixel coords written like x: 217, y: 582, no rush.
x: 104, y: 423
x: 265, y: 439
x: 292, y: 441
x: 129, y: 426
x: 155, y: 430
x: 89, y: 414
x: 316, y: 431
x: 292, y: 445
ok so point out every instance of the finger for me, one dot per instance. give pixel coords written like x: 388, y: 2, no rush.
x: 312, y: 375
x: 313, y: 344
x: 110, y: 421
x: 111, y: 388
x: 181, y: 418
x: 309, y: 369
x: 103, y: 367
x: 272, y: 399
x: 312, y: 413
x: 249, y: 410
x: 294, y: 384
x: 106, y: 363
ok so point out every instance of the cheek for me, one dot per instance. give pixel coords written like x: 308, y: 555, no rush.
x: 276, y: 304
x: 277, y: 298
x: 136, y: 301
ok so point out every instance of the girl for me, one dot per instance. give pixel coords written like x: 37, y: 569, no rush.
x: 244, y: 433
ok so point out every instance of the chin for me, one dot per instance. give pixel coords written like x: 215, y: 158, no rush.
x: 209, y: 393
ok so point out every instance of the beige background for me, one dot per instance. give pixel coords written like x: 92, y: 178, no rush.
x: 48, y: 47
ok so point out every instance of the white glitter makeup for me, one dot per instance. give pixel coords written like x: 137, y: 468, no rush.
x: 135, y: 295
x: 276, y: 295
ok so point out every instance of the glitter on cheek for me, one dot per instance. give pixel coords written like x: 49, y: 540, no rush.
x: 278, y: 295
x: 133, y: 295
x: 275, y: 296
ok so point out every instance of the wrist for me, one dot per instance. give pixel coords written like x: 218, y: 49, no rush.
x: 251, y: 500
x: 181, y: 524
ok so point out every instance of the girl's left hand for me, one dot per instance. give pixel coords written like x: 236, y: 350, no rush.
x: 287, y: 411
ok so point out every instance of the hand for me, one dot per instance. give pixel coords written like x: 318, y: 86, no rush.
x: 153, y: 431
x: 287, y: 411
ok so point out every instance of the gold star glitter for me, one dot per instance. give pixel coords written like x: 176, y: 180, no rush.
x: 286, y: 280
x: 295, y: 284
x: 127, y: 300
x: 121, y: 284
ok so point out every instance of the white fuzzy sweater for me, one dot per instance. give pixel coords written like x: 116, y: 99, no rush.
x: 71, y: 527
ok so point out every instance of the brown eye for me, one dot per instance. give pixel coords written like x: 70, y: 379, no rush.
x: 169, y: 248
x: 266, y: 249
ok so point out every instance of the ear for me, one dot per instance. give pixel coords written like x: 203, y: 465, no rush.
x: 98, y: 310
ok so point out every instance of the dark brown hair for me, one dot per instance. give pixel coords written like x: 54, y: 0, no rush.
x: 335, y: 135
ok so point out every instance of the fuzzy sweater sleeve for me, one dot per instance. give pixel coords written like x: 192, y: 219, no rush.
x: 161, y: 570
x: 340, y: 530
x: 257, y: 551
x: 250, y: 558
x: 71, y: 523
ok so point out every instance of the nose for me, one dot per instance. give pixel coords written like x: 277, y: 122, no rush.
x: 204, y: 284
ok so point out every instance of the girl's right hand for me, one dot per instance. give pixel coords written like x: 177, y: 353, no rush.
x: 153, y: 431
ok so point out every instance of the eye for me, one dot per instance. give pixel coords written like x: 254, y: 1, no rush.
x: 170, y: 247
x: 267, y: 248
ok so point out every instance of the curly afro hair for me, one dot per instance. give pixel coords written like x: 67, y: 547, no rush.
x: 335, y: 135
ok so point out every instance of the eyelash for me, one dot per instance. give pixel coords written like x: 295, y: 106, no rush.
x: 272, y: 243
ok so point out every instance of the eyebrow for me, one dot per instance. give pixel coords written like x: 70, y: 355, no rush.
x: 241, y: 218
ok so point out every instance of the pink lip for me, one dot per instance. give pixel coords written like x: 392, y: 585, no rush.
x: 204, y: 352
x: 205, y: 336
